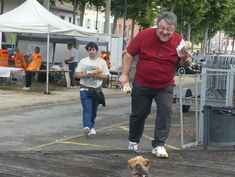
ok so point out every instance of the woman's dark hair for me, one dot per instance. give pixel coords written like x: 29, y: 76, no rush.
x: 91, y: 45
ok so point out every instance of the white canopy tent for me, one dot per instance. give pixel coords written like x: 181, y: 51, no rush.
x: 32, y: 17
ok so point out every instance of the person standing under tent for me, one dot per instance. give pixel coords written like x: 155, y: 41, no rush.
x: 35, y: 64
x: 72, y: 61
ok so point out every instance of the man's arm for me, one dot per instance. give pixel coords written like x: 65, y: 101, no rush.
x: 126, y: 66
x: 70, y: 59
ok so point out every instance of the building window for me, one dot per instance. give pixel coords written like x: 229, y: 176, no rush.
x: 70, y: 19
x: 88, y: 23
x: 95, y: 24
x: 62, y: 17
x: 111, y: 28
x: 78, y: 21
x: 103, y: 27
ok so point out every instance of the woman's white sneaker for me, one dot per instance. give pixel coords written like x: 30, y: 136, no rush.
x: 160, y: 151
x: 86, y: 131
x: 93, y: 132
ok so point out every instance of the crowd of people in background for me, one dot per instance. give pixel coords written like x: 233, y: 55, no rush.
x: 28, y: 63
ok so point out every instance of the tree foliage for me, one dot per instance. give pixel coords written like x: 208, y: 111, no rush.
x: 198, y: 20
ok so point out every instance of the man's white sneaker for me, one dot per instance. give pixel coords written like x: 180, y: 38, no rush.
x: 160, y: 151
x: 86, y: 132
x: 92, y: 132
x: 133, y: 146
x: 25, y: 88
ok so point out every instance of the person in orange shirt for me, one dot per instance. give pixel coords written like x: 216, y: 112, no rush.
x: 107, y: 58
x: 19, y: 63
x: 103, y: 54
x: 4, y: 55
x: 34, y: 65
x: 19, y: 59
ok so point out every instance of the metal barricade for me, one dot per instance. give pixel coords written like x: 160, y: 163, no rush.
x: 217, y: 89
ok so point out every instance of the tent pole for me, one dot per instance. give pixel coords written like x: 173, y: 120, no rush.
x: 53, y: 57
x: 1, y: 38
x: 15, y: 37
x: 47, y: 80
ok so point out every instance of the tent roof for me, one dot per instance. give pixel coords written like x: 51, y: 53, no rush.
x: 61, y: 39
x: 31, y: 16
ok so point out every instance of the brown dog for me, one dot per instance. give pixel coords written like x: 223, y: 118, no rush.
x: 139, y: 166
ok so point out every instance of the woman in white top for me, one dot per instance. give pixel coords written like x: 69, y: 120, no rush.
x: 91, y: 85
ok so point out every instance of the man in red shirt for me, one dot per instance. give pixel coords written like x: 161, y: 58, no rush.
x: 160, y: 50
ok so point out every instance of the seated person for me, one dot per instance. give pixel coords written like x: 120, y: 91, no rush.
x: 4, y: 55
x: 19, y: 59
x: 35, y: 64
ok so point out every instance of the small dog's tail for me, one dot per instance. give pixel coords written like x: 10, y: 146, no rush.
x: 141, y: 170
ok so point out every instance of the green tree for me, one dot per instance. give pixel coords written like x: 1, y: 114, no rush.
x: 117, y: 11
x: 217, y: 14
x: 229, y: 27
x: 146, y: 13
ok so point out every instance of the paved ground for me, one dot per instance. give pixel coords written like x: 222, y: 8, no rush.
x: 63, y: 159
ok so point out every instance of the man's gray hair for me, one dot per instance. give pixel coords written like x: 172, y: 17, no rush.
x: 169, y: 17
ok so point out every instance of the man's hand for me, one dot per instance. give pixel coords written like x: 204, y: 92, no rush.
x: 123, y: 79
x: 184, y: 53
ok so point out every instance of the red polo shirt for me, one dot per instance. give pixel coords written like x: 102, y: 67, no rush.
x: 157, y: 60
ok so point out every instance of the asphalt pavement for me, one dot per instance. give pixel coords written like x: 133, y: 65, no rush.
x: 103, y: 154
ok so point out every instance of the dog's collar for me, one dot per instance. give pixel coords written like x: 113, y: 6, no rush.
x: 139, y: 174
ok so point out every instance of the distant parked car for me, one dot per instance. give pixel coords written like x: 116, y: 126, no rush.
x: 192, y: 69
